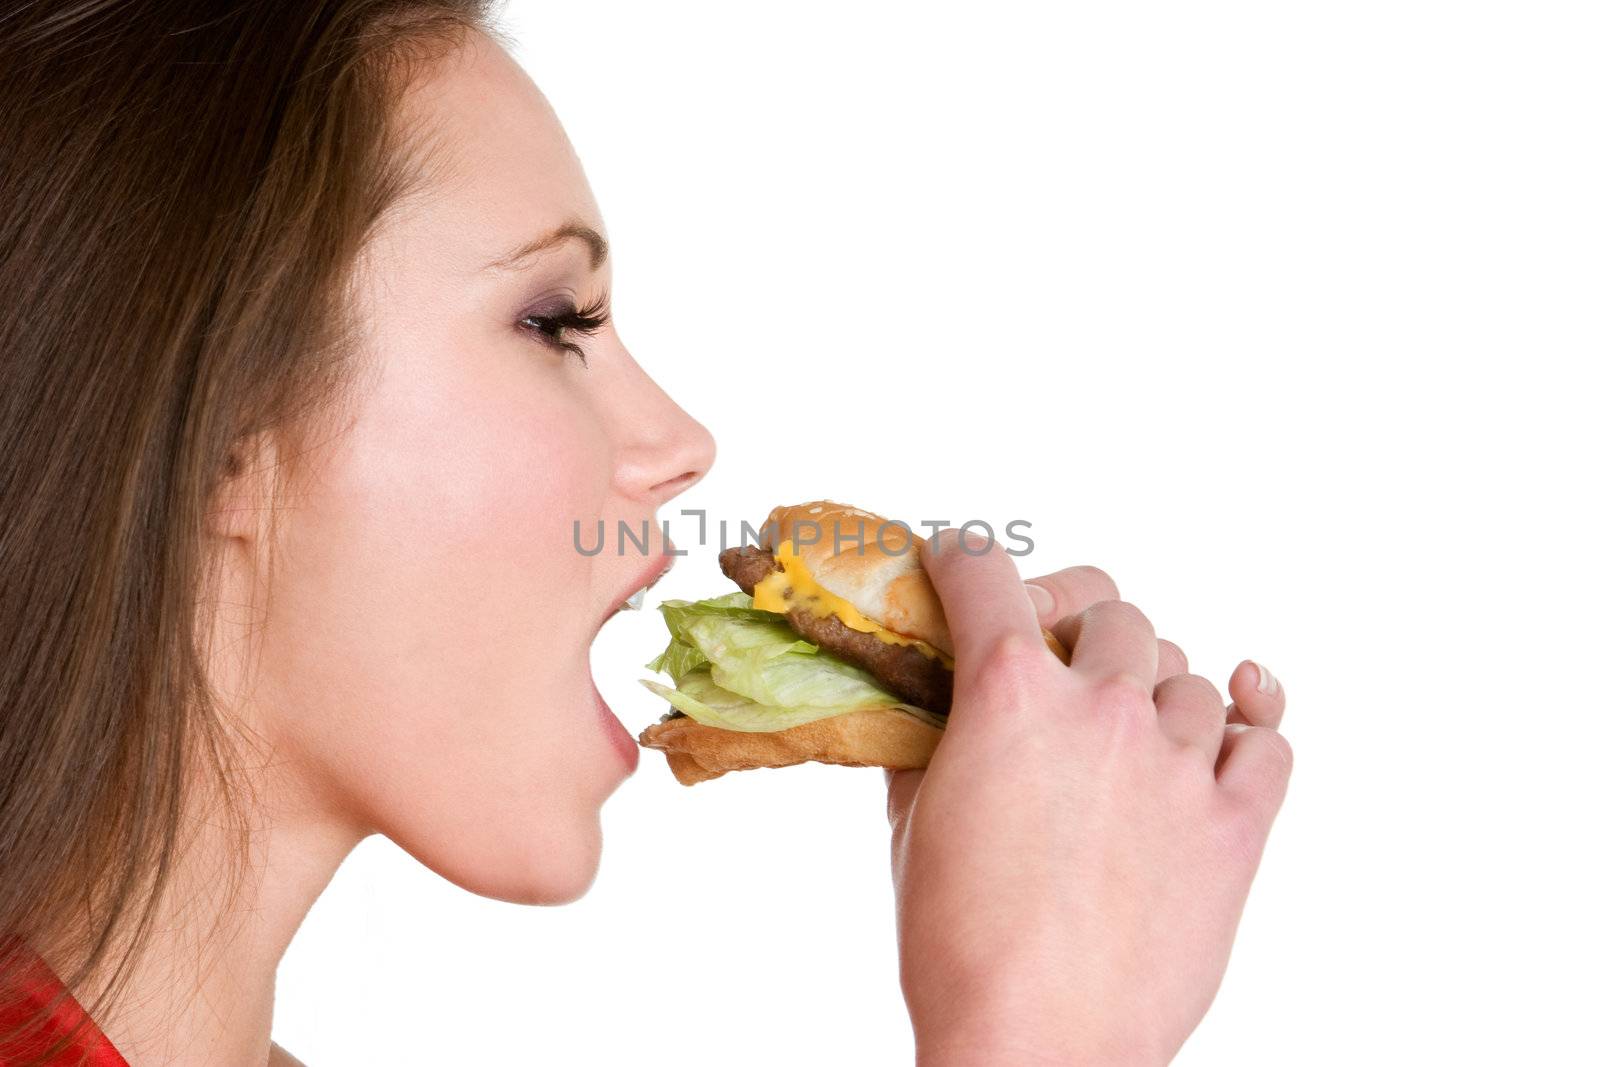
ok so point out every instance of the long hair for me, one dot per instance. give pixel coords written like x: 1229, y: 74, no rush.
x: 184, y: 188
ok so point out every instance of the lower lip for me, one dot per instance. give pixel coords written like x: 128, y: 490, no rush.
x: 616, y: 733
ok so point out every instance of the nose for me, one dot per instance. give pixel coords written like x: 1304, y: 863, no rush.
x: 663, y: 449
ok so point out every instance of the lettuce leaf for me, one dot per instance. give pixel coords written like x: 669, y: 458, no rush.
x: 728, y: 624
x: 738, y: 668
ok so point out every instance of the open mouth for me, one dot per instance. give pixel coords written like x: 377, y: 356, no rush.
x: 635, y: 600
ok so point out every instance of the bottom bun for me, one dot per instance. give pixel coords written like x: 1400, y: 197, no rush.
x: 874, y: 737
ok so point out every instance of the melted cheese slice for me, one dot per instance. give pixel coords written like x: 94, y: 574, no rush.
x: 783, y: 589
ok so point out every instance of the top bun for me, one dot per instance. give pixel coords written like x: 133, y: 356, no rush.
x: 872, y: 562
x: 868, y: 560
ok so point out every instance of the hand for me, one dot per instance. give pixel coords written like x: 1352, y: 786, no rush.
x: 1071, y: 867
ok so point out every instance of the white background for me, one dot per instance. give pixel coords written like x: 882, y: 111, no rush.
x: 1285, y: 314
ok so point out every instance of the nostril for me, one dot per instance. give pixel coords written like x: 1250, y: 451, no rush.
x: 677, y: 483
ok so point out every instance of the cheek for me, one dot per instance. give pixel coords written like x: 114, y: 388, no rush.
x: 452, y: 481
x: 429, y: 643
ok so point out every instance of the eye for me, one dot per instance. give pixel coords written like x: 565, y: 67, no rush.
x: 551, y: 327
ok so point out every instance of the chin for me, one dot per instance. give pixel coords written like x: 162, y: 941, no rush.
x: 556, y: 865
x: 521, y: 826
x: 563, y: 879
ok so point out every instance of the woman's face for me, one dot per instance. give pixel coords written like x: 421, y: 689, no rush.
x: 425, y: 669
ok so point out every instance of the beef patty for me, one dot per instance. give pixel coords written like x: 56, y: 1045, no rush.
x: 907, y: 673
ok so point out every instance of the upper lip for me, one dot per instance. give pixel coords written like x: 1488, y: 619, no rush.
x: 659, y: 566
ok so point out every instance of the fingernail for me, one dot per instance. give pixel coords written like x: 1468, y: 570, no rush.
x: 1044, y: 601
x: 1265, y: 682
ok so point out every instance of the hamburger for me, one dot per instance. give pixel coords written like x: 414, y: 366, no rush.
x: 833, y: 649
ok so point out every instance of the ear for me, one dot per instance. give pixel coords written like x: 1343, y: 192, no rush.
x: 241, y: 503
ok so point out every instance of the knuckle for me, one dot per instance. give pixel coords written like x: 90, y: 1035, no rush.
x: 1123, y: 693
x: 1240, y: 832
x: 1267, y: 771
x: 1200, y: 765
x: 1119, y: 611
x: 1095, y: 582
x: 1275, y: 760
x: 1285, y: 752
x: 1189, y: 690
x: 1014, y: 662
x: 1201, y: 688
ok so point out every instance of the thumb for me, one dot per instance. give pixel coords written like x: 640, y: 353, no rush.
x: 980, y: 591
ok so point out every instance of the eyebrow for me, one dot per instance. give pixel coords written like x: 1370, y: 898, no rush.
x: 573, y: 228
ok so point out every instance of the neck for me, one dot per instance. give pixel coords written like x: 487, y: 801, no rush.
x: 201, y: 990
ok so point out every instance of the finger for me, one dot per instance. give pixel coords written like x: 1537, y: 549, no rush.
x: 1067, y: 592
x: 1170, y: 660
x: 1258, y: 696
x: 1190, y: 712
x: 902, y: 789
x: 981, y: 594
x: 902, y: 792
x: 1111, y: 638
x: 1253, y: 765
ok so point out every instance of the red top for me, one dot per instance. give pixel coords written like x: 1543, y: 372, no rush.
x: 36, y: 988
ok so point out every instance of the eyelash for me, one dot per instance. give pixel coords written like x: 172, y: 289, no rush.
x: 587, y: 320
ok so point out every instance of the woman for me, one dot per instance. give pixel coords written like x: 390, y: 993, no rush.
x: 309, y: 369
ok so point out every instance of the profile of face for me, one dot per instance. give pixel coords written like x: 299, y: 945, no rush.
x: 423, y: 670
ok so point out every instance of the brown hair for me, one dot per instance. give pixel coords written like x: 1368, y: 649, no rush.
x: 184, y: 187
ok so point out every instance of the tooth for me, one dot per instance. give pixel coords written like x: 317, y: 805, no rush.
x: 635, y: 602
